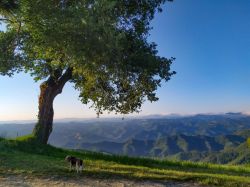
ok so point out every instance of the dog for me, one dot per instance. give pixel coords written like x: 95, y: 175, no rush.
x: 75, y: 162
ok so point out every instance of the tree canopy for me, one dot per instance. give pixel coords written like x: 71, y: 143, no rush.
x: 101, y: 44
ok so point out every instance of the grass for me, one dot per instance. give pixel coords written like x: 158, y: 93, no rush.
x: 25, y: 156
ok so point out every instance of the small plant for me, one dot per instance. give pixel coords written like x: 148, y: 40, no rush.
x: 248, y: 142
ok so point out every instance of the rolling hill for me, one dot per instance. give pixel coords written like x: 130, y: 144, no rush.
x: 209, y: 138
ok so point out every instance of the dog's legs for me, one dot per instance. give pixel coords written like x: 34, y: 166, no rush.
x: 80, y: 169
x: 70, y: 167
x: 77, y: 167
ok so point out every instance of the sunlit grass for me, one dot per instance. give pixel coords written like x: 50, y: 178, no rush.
x: 24, y: 156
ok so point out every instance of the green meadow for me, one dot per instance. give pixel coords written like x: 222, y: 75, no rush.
x: 23, y: 156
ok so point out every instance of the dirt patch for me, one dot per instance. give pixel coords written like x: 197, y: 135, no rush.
x: 24, y: 181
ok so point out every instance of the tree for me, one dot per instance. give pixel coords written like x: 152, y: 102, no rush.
x: 99, y: 46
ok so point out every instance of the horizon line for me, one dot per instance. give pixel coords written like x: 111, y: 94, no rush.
x: 148, y: 116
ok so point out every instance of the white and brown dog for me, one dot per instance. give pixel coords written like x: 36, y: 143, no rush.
x: 75, y: 162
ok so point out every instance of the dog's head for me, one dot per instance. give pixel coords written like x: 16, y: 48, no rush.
x: 68, y: 158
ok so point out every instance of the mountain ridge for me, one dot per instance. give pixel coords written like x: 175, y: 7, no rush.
x: 197, y: 138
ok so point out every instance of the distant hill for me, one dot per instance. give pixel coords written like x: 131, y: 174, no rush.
x: 195, y: 148
x: 212, y: 138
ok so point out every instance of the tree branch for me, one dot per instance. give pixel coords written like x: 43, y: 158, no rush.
x: 5, y: 19
x: 64, y: 78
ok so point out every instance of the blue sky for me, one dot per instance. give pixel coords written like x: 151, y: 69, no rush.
x: 211, y: 42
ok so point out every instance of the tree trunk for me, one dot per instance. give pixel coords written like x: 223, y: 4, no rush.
x: 43, y: 127
x: 48, y: 91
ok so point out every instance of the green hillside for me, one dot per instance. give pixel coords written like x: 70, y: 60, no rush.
x: 167, y: 146
x: 218, y: 139
x: 25, y: 157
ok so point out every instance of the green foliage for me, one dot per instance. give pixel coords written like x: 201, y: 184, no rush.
x: 7, y: 6
x: 10, y: 61
x: 36, y: 160
x: 103, y: 42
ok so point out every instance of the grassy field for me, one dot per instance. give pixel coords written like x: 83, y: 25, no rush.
x: 25, y: 157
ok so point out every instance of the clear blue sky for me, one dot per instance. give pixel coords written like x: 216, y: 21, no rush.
x: 211, y: 42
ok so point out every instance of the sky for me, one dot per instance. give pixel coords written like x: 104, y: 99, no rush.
x: 210, y: 40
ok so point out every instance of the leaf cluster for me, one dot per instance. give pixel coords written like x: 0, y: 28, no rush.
x: 104, y: 42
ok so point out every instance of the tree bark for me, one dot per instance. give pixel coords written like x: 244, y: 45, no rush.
x: 48, y: 91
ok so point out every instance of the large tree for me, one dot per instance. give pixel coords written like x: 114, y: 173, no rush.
x: 100, y: 46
